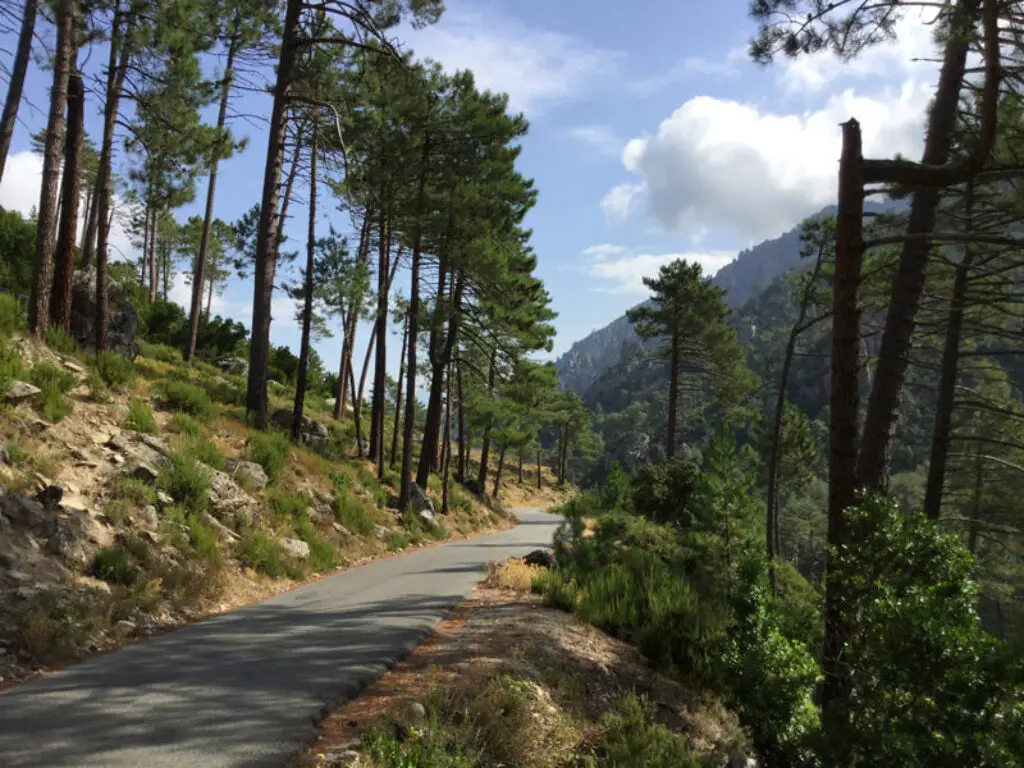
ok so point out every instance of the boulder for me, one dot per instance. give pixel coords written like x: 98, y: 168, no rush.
x: 420, y: 502
x: 228, y: 500
x: 124, y: 628
x: 380, y: 531
x: 68, y: 539
x: 22, y: 510
x: 295, y: 548
x: 224, y: 534
x: 122, y: 319
x: 311, y: 431
x: 140, y: 470
x: 164, y: 498
x: 544, y: 558
x: 147, y: 518
x: 20, y: 392
x: 341, y: 530
x: 248, y: 473
x: 151, y: 450
x: 232, y: 364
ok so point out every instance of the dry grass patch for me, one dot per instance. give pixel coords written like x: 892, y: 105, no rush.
x: 511, y: 573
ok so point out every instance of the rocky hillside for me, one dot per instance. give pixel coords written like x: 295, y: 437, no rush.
x: 134, y: 498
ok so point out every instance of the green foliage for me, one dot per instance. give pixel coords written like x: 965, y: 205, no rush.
x: 186, y: 482
x: 798, y: 606
x: 60, y: 340
x: 931, y: 687
x: 264, y: 553
x: 53, y: 383
x: 186, y: 425
x: 115, y: 369
x: 99, y: 392
x: 227, y: 393
x: 160, y: 352
x: 665, y: 491
x: 140, y: 416
x: 188, y: 398
x: 200, y: 449
x: 396, y: 541
x: 270, y: 450
x: 350, y: 512
x: 10, y: 365
x: 138, y: 492
x: 115, y: 565
x: 322, y: 556
x: 615, y: 493
x: 17, y: 249
x: 287, y: 505
x: 12, y: 315
x: 630, y: 736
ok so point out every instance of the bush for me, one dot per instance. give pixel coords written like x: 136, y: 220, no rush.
x: 115, y: 565
x: 140, y: 417
x: 322, y: 556
x: 115, y: 369
x: 161, y: 352
x: 60, y: 340
x: 134, y: 490
x: 226, y: 393
x: 199, y: 448
x: 270, y: 450
x: 617, y: 488
x: 53, y: 383
x: 631, y: 737
x: 188, y: 398
x: 396, y: 541
x: 262, y: 553
x: 186, y: 425
x: 798, y: 606
x: 351, y: 513
x: 99, y: 392
x: 187, y: 483
x: 12, y: 316
x: 288, y: 506
x: 663, y: 492
x: 10, y: 365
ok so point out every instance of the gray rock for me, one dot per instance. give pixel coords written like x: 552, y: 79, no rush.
x: 224, y: 534
x: 248, y: 473
x: 122, y: 319
x: 20, y: 392
x: 231, y: 364
x: 380, y: 531
x: 124, y: 628
x: 68, y: 539
x: 545, y: 558
x: 147, y: 517
x: 140, y: 470
x: 134, y: 446
x: 73, y: 366
x: 417, y: 711
x: 342, y: 530
x: 22, y: 510
x: 228, y: 500
x: 164, y: 499
x: 311, y: 431
x: 295, y: 548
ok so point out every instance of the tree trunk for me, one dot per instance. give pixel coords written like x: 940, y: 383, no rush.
x: 948, y: 375
x: 211, y: 187
x: 381, y: 362
x: 774, y: 458
x: 307, y: 306
x: 209, y: 304
x: 351, y: 320
x: 908, y: 285
x: 844, y: 402
x: 267, y: 239
x: 357, y: 405
x: 501, y: 465
x: 60, y: 298
x: 539, y: 480
x: 92, y: 222
x: 154, y: 277
x: 446, y: 465
x: 486, y: 445
x: 463, y: 445
x: 42, y: 273
x: 116, y: 68
x: 520, y: 467
x: 396, y: 426
x: 673, y: 397
x: 87, y: 222
x: 22, y: 58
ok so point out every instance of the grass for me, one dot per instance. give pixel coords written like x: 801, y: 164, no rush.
x: 322, y: 556
x: 140, y: 416
x: 351, y: 513
x: 186, y: 482
x: 270, y: 450
x: 201, y: 540
x: 184, y: 424
x: 116, y: 370
x: 263, y: 553
x: 16, y: 454
x: 200, y: 449
x: 188, y: 398
x: 512, y: 573
x: 160, y: 352
x: 287, y: 506
x: 227, y: 393
x: 60, y: 340
x: 138, y: 492
x: 117, y: 511
x: 369, y: 481
x: 53, y: 382
x: 12, y: 316
x: 99, y: 392
x: 115, y: 565
x: 396, y: 541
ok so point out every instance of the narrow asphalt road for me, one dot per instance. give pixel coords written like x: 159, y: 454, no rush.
x: 245, y: 688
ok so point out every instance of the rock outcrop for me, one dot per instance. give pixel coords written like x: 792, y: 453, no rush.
x: 123, y: 320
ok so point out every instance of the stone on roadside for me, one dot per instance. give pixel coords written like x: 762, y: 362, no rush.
x: 544, y: 558
x: 124, y: 628
x: 295, y: 548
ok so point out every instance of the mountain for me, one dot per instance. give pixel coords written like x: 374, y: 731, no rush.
x: 752, y: 272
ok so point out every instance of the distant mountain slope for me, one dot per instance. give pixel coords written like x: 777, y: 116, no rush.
x: 745, y: 278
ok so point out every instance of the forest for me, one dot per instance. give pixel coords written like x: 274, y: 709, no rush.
x: 815, y: 519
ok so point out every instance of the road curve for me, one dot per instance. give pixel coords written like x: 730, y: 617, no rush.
x: 246, y: 688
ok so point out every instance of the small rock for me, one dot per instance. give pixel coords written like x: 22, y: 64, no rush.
x: 72, y: 502
x: 147, y: 517
x: 71, y: 365
x: 417, y: 711
x: 545, y: 558
x: 230, y: 364
x: 164, y: 498
x: 117, y: 458
x: 20, y: 392
x: 380, y: 531
x: 248, y: 473
x: 224, y: 534
x: 140, y: 470
x: 124, y: 628
x: 341, y: 529
x: 296, y: 548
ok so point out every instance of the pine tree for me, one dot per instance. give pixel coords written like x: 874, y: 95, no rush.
x: 22, y: 58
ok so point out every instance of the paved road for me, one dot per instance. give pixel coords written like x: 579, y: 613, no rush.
x: 245, y: 688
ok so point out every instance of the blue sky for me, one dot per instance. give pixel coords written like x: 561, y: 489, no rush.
x: 652, y: 137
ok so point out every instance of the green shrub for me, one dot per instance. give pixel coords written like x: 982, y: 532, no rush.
x: 160, y: 352
x: 202, y: 539
x: 117, y: 510
x: 45, y: 375
x: 115, y: 369
x: 186, y: 482
x: 188, y: 398
x: 115, y: 565
x: 228, y: 394
x: 664, y: 491
x: 10, y: 365
x: 15, y: 454
x: 396, y: 540
x: 270, y: 450
x: 351, y: 513
x: 630, y: 736
x: 140, y: 416
x: 322, y: 556
x: 60, y: 340
x: 798, y: 606
x: 99, y: 392
x: 186, y: 425
x: 288, y: 506
x: 199, y: 448
x: 134, y: 490
x: 12, y: 316
x: 617, y: 488
x: 260, y: 552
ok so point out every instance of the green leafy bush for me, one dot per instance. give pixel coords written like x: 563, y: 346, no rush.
x: 12, y: 316
x: 396, y: 540
x: 10, y: 365
x: 351, y: 513
x: 322, y: 556
x: 53, y: 383
x: 630, y: 736
x: 287, y: 505
x: 617, y: 488
x: 161, y: 352
x: 199, y: 448
x: 140, y: 416
x: 260, y: 552
x: 134, y: 490
x: 270, y: 450
x: 664, y: 491
x: 186, y: 482
x: 117, y: 370
x: 60, y: 340
x: 186, y: 425
x: 226, y: 393
x: 115, y: 565
x: 188, y: 398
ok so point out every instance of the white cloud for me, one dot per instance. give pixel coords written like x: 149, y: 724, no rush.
x: 717, y: 163
x: 600, y: 137
x: 625, y: 272
x: 905, y: 55
x: 535, y: 67
x: 619, y: 201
